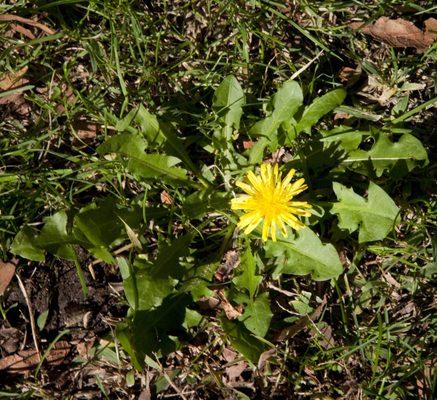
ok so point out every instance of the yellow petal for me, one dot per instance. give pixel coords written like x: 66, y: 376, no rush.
x: 282, y: 227
x: 266, y: 228
x: 298, y: 211
x: 288, y: 177
x: 252, y: 226
x: 297, y: 187
x: 240, y: 203
x: 277, y: 176
x: 300, y: 204
x: 264, y: 176
x: 247, y: 188
x: 273, y: 232
x: 249, y: 218
x: 293, y: 221
x: 255, y: 181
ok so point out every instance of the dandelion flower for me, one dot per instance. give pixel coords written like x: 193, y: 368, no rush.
x: 268, y: 198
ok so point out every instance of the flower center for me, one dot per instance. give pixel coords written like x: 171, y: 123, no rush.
x: 270, y: 204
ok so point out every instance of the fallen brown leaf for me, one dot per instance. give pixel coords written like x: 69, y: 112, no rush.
x: 208, y: 303
x: 229, y: 355
x: 348, y: 76
x: 324, y: 334
x: 24, y: 361
x: 341, y: 115
x: 231, y: 261
x: 7, y: 272
x: 85, y: 129
x: 234, y: 371
x: 84, y: 347
x: 26, y: 21
x: 431, y: 29
x: 11, y: 81
x: 355, y: 26
x: 166, y: 198
x: 264, y: 357
x: 230, y: 311
x: 398, y: 32
x: 301, y: 323
x: 68, y: 96
x: 376, y: 90
x: 10, y: 339
x: 248, y: 144
x: 145, y: 394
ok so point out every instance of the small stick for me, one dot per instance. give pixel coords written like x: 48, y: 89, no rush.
x: 286, y: 292
x: 32, y: 319
x: 300, y: 70
x: 116, y: 252
x: 170, y: 382
x: 178, y: 391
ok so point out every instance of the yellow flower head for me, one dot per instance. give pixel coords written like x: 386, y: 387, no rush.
x: 268, y: 198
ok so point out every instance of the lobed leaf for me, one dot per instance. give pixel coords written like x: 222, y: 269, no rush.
x: 149, y: 126
x: 318, y: 108
x: 147, y: 332
x: 257, y: 315
x: 24, y: 245
x: 157, y: 166
x: 374, y: 217
x: 408, y: 151
x: 242, y: 340
x: 54, y: 237
x: 128, y: 144
x: 143, y: 165
x: 228, y: 101
x: 197, y: 204
x: 305, y: 254
x: 248, y: 279
x: 284, y: 104
x: 148, y: 283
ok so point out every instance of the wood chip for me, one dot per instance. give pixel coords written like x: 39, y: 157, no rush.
x: 399, y: 32
x: 7, y: 272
